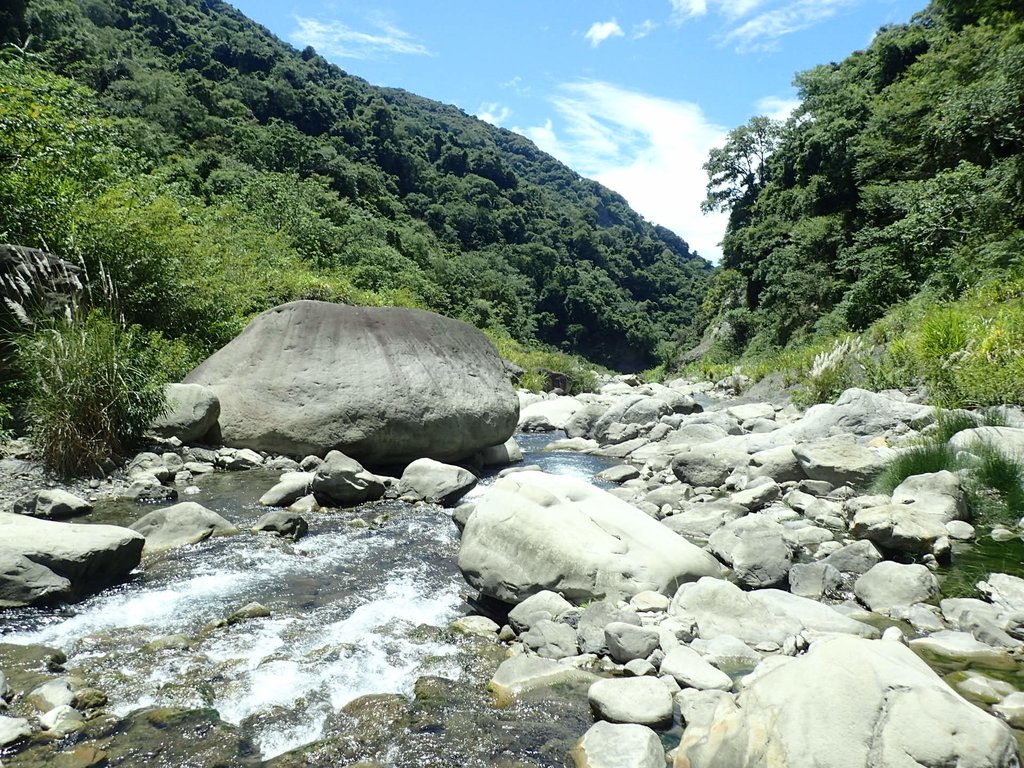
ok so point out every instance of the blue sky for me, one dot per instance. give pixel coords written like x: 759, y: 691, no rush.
x: 632, y: 93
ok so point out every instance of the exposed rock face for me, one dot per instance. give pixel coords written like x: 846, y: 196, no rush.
x: 848, y: 703
x: 382, y: 385
x: 534, y: 531
x: 88, y: 556
x: 192, y: 411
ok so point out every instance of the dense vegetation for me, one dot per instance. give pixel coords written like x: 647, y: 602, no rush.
x: 891, y: 204
x: 214, y: 171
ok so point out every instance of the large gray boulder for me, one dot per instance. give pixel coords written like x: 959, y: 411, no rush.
x: 88, y: 556
x: 342, y: 480
x: 192, y: 411
x: 619, y: 745
x: 180, y: 525
x: 437, y: 482
x: 888, y: 585
x: 756, y: 548
x: 847, y: 703
x: 839, y: 460
x: 23, y: 582
x: 533, y: 531
x: 52, y: 504
x: 382, y: 385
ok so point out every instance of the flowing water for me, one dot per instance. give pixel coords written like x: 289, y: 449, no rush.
x: 351, y: 608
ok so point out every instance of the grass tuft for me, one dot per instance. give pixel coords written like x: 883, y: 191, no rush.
x: 919, y: 460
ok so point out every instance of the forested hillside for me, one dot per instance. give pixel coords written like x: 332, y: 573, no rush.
x: 210, y: 171
x: 900, y: 174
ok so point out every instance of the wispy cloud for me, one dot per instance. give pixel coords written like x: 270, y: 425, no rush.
x: 763, y: 31
x: 338, y: 40
x: 777, y: 107
x: 494, y: 113
x: 648, y: 149
x: 602, y: 30
x: 643, y: 29
x: 758, y: 25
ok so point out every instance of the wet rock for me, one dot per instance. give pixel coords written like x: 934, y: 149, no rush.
x: 50, y: 695
x: 52, y: 504
x: 533, y: 531
x: 984, y: 689
x: 962, y: 647
x: 478, y: 626
x: 13, y: 730
x: 238, y: 460
x: 283, y: 523
x: 525, y: 672
x: 619, y: 474
x: 548, y: 415
x: 624, y: 745
x: 729, y: 654
x: 247, y: 612
x: 627, y: 642
x: 62, y: 720
x: 1005, y: 591
x: 1010, y: 709
x: 343, y: 480
x: 147, y: 488
x: 890, y: 584
x: 290, y: 488
x: 180, y: 525
x: 870, y: 703
x: 191, y: 413
x: 641, y: 700
x: 690, y: 670
x: 433, y: 481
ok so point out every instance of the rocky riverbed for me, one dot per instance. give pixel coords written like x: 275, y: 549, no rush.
x: 726, y: 592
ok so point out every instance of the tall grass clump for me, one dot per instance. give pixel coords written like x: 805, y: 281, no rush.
x: 997, y: 493
x: 831, y: 372
x: 919, y: 460
x: 92, y: 387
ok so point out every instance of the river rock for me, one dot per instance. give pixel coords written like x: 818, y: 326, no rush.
x: 1010, y: 709
x: 343, y: 480
x: 290, y: 488
x: 719, y: 607
x: 550, y: 639
x: 899, y: 527
x: 62, y: 720
x: 839, y: 461
x: 89, y: 556
x: 284, y: 523
x: 847, y: 703
x: 542, y: 605
x: 1009, y: 440
x: 191, y: 412
x: 475, y: 626
x: 534, y: 531
x: 632, y: 410
x: 51, y: 694
x: 13, y: 730
x: 618, y: 474
x: 526, y: 672
x: 180, y: 525
x: 690, y: 670
x: 627, y: 642
x: 508, y: 452
x: 619, y: 745
x: 23, y: 582
x: 641, y: 700
x: 1005, y: 591
x: 548, y: 415
x: 857, y: 557
x: 709, y: 464
x: 699, y: 520
x: 433, y: 481
x: 590, y: 634
x: 756, y: 549
x: 890, y: 584
x: 963, y: 647
x: 814, y: 580
x: 382, y: 385
x: 729, y: 654
x: 937, y: 493
x: 52, y: 504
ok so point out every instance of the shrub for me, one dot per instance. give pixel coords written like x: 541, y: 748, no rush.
x: 92, y: 388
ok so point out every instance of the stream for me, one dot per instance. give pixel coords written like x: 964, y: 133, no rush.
x: 351, y: 606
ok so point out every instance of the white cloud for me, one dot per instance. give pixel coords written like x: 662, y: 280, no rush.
x: 762, y: 32
x: 777, y: 107
x: 601, y: 30
x: 338, y: 40
x: 643, y: 29
x: 493, y: 113
x: 733, y: 9
x: 648, y: 149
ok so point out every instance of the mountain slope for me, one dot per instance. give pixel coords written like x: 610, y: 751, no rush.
x: 393, y: 197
